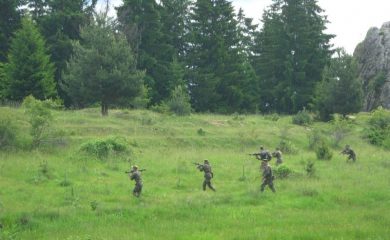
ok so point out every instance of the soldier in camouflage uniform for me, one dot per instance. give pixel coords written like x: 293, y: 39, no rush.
x: 268, y: 177
x: 278, y: 155
x: 263, y: 155
x: 208, y: 174
x: 351, y: 154
x: 135, y: 175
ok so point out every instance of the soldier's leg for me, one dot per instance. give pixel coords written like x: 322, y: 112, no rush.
x: 263, y: 186
x: 210, y: 186
x: 271, y: 185
x: 204, y: 185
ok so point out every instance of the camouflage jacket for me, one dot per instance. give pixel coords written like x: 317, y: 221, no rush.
x: 267, y: 173
x: 136, y: 176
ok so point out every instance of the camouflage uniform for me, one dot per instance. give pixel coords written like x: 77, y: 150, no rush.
x: 351, y: 154
x: 208, y: 175
x: 268, y: 177
x: 136, y: 176
x: 264, y: 155
x: 278, y: 155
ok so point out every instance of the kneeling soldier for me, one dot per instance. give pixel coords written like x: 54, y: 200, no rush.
x: 268, y: 177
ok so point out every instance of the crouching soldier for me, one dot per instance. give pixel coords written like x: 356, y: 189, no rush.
x: 278, y: 155
x: 208, y: 174
x: 351, y: 154
x: 268, y: 177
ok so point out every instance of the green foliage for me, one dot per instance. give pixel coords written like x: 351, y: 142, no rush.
x: 8, y: 130
x: 378, y: 132
x: 310, y: 168
x: 221, y: 78
x: 341, y: 127
x: 179, y: 102
x: 316, y: 138
x: 340, y: 90
x: 291, y: 52
x: 282, y: 171
x: 287, y: 146
x: 29, y: 70
x: 39, y: 117
x: 10, y: 14
x: 323, y: 151
x: 103, y: 148
x: 201, y: 132
x: 97, y: 73
x: 302, y: 118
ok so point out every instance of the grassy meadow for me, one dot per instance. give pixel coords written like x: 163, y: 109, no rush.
x: 59, y: 192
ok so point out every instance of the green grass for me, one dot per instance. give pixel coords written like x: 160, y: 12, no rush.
x: 81, y: 197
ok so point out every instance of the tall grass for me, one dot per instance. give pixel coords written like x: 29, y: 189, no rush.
x: 341, y: 201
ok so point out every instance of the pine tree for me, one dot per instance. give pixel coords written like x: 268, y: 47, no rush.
x: 141, y: 21
x: 340, y: 90
x: 60, y: 22
x: 292, y: 50
x: 9, y: 21
x: 102, y: 68
x: 29, y: 70
x: 219, y: 72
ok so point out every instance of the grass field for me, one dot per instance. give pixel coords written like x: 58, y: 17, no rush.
x: 59, y: 192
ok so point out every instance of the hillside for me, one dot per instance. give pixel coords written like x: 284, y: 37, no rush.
x: 60, y: 192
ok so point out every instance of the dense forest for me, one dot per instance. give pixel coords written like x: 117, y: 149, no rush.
x: 181, y: 55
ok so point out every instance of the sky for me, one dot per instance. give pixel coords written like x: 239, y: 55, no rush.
x: 349, y: 19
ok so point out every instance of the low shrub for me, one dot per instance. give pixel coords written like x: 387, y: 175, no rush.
x: 310, y: 168
x: 179, y: 102
x: 8, y: 130
x: 302, y: 118
x: 287, y: 147
x: 101, y: 149
x: 282, y: 171
x: 323, y: 152
x: 378, y: 131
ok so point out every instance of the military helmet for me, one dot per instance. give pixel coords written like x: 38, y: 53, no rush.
x: 135, y: 167
x: 261, y: 147
x: 206, y: 161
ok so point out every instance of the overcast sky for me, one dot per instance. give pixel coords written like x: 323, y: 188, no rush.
x: 349, y: 19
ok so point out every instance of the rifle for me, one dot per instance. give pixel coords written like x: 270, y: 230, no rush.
x: 131, y: 171
x: 254, y: 154
x: 197, y: 164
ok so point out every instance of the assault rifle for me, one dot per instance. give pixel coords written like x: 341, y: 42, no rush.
x: 131, y: 171
x: 254, y: 154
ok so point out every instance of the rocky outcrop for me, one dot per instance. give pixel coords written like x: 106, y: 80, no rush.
x: 373, y: 57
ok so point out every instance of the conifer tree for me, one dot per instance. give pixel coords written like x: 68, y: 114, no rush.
x: 102, y: 68
x: 29, y: 70
x: 291, y: 53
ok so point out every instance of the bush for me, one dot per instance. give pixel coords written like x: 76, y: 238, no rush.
x: 379, y: 128
x: 287, y: 147
x: 316, y: 138
x: 179, y: 102
x: 282, y: 171
x: 39, y: 116
x: 8, y: 130
x: 302, y: 118
x: 340, y: 128
x: 310, y: 169
x: 273, y: 117
x: 323, y: 152
x: 101, y: 149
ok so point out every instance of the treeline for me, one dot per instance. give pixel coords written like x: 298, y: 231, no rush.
x: 176, y: 54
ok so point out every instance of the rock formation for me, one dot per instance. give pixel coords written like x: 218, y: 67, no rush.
x: 373, y: 57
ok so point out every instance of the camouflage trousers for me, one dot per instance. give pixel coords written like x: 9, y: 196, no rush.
x: 268, y: 182
x: 137, y: 189
x: 279, y: 161
x: 207, y: 182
